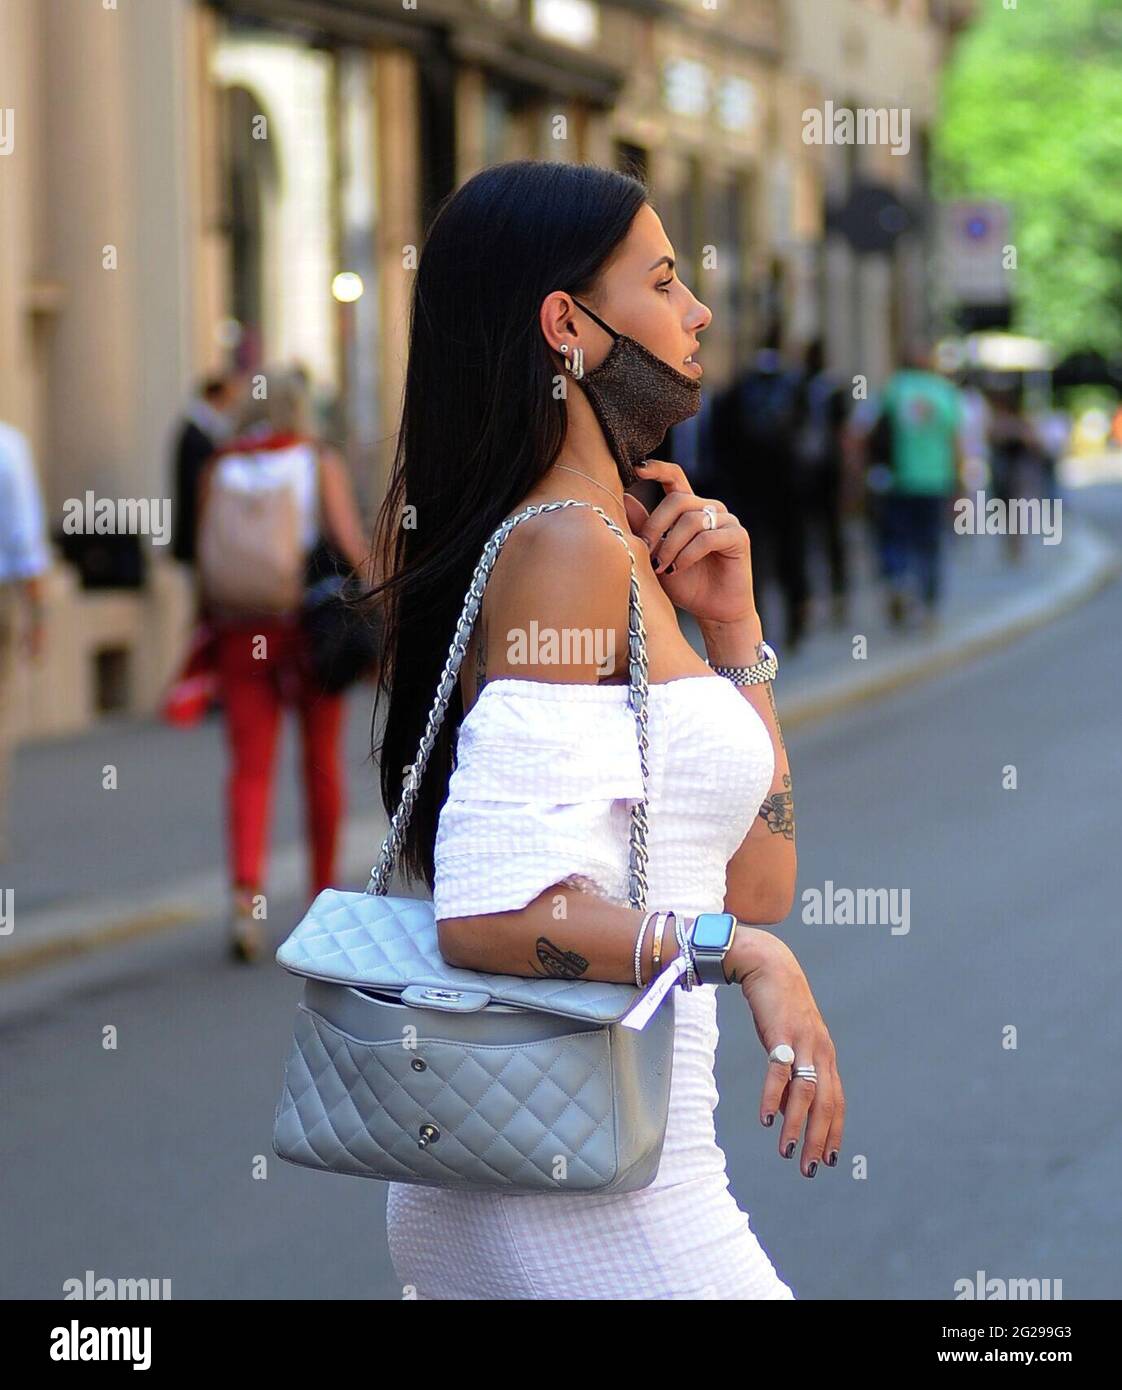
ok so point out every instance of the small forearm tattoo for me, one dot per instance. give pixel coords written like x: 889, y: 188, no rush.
x: 778, y: 811
x: 480, y: 659
x: 775, y: 714
x: 562, y: 965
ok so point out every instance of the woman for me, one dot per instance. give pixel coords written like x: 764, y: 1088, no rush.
x: 263, y: 657
x: 525, y: 271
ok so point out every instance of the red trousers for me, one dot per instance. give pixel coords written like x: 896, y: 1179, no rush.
x: 262, y: 667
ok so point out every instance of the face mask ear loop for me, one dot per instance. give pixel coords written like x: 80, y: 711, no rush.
x: 595, y: 317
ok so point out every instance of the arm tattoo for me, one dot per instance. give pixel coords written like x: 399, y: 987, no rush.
x: 775, y: 714
x: 481, y: 658
x: 778, y: 811
x: 562, y: 965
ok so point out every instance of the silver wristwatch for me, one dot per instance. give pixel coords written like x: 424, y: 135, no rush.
x: 765, y: 669
x: 710, y: 939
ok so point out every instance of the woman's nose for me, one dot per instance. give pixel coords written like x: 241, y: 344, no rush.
x: 706, y: 317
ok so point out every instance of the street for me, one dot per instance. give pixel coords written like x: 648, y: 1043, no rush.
x: 138, y: 1160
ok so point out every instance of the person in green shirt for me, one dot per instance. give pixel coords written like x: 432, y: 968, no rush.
x: 924, y: 418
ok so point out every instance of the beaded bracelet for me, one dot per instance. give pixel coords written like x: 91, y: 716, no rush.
x: 639, y: 947
x: 687, y: 980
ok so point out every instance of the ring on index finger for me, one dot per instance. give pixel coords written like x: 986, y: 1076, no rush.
x: 711, y: 525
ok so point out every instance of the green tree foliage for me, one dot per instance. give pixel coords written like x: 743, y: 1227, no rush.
x: 1032, y: 115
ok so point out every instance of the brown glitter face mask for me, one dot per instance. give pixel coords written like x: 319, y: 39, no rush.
x: 636, y: 397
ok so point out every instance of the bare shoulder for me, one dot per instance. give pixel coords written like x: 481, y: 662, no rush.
x: 557, y: 601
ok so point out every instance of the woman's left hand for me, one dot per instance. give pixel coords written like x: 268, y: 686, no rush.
x: 704, y: 572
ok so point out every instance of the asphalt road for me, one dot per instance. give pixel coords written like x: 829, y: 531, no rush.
x: 138, y: 1160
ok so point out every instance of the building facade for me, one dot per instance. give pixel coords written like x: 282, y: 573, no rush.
x: 197, y: 203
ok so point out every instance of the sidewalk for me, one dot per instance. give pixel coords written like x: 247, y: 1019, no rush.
x: 91, y: 867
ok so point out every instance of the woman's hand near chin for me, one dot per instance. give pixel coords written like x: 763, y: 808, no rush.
x: 706, y: 572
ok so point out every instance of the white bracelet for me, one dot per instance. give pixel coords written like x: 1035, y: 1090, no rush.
x: 687, y: 980
x: 639, y: 948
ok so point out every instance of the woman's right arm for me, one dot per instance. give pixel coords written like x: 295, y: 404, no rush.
x: 573, y: 935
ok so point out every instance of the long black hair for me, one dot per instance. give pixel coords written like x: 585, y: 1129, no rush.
x: 480, y: 426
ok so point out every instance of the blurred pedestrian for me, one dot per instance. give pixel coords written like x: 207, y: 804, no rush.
x: 24, y: 559
x: 922, y: 418
x: 976, y: 416
x: 1053, y: 433
x: 206, y: 424
x: 819, y: 468
x: 755, y: 421
x: 1016, y: 462
x: 266, y: 501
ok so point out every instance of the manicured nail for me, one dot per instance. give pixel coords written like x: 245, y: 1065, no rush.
x: 810, y: 1172
x: 769, y: 1118
x: 664, y: 535
x: 655, y: 562
x: 671, y: 568
x: 833, y: 1159
x: 790, y: 1149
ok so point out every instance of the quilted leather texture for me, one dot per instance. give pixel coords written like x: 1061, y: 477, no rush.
x: 504, y: 1114
x: 371, y: 940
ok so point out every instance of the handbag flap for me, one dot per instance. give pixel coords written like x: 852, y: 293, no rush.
x: 370, y: 940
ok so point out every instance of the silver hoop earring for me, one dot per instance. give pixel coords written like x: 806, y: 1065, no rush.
x: 576, y: 365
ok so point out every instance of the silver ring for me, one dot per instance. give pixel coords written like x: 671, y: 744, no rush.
x: 710, y: 518
x: 783, y: 1053
x: 805, y: 1074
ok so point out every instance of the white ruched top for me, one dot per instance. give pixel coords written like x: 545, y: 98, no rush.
x: 545, y: 775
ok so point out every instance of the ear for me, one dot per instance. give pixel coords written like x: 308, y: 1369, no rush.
x: 557, y: 321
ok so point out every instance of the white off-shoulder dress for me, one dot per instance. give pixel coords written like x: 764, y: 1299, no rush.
x: 541, y: 794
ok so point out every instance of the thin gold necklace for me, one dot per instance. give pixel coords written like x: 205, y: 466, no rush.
x: 592, y: 480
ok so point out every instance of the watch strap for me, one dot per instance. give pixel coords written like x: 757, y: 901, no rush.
x: 763, y: 670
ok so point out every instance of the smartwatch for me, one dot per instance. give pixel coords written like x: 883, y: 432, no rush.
x: 710, y: 939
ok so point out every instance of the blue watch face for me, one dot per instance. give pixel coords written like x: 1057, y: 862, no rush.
x: 714, y: 929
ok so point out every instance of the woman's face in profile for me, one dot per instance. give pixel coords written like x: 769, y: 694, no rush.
x: 642, y: 296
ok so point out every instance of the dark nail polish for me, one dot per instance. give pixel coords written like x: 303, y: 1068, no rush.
x: 671, y: 568
x: 810, y: 1172
x: 655, y: 562
x: 664, y: 535
x: 790, y: 1149
x: 833, y: 1159
x: 769, y: 1119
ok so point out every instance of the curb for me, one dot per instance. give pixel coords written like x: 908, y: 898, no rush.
x: 1004, y: 624
x: 60, y: 934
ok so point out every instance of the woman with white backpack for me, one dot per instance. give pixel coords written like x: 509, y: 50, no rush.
x: 266, y: 501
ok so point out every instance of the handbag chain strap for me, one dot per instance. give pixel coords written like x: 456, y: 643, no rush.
x: 637, y: 699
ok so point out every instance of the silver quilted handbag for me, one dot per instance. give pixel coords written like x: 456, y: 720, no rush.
x: 410, y: 1070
